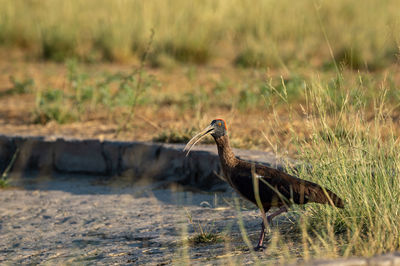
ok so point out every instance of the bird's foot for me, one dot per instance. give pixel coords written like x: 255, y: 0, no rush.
x: 259, y: 248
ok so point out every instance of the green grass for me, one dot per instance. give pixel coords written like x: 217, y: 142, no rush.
x: 359, y: 160
x: 361, y: 34
x: 19, y: 86
x: 5, y: 174
x: 204, y: 234
x: 205, y: 238
x: 85, y: 94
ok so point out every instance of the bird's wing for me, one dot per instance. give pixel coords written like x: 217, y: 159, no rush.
x: 278, y: 188
x: 269, y: 189
x: 298, y: 190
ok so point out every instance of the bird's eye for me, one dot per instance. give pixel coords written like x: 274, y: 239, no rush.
x: 219, y: 124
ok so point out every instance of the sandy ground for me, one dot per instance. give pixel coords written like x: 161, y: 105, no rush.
x: 82, y: 220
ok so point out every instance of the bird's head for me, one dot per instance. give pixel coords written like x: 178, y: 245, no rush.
x: 217, y: 129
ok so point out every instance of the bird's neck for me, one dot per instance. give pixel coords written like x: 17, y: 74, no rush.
x: 225, y: 152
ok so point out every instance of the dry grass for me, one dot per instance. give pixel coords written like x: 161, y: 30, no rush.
x: 357, y: 156
x: 362, y: 34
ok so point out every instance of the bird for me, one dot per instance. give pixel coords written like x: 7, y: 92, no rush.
x: 276, y: 189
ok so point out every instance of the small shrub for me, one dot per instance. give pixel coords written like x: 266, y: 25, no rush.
x: 131, y: 89
x: 51, y: 106
x: 21, y: 86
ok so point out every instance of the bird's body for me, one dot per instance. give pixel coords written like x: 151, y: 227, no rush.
x: 275, y: 188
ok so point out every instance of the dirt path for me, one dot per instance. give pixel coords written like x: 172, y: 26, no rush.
x: 82, y: 221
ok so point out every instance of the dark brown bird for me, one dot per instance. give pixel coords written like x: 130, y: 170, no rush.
x: 276, y: 189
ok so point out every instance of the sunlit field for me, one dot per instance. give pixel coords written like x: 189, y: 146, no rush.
x: 275, y: 34
x: 317, y: 81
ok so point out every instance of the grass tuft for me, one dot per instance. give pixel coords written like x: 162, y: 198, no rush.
x: 206, y: 238
x: 204, y: 234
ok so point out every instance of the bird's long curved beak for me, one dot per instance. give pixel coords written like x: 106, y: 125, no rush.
x: 197, y: 138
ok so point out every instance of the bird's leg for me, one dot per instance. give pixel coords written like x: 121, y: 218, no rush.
x: 281, y: 210
x: 259, y: 246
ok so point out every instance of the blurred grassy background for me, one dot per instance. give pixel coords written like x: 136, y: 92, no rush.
x: 235, y: 59
x: 363, y: 34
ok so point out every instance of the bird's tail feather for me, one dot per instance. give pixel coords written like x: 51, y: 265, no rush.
x: 325, y: 196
